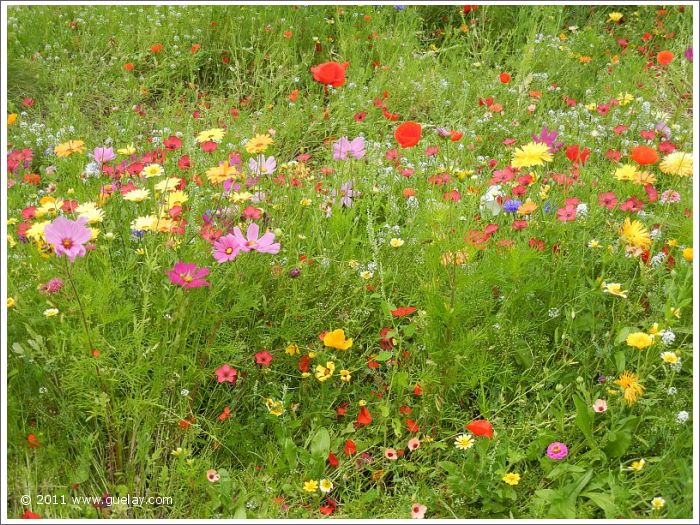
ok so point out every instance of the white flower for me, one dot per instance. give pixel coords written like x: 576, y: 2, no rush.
x: 682, y: 416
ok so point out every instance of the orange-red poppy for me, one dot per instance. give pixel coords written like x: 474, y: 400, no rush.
x: 644, y: 155
x: 408, y: 134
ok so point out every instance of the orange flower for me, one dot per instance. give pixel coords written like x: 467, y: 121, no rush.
x: 128, y: 67
x: 408, y: 134
x: 504, y: 77
x: 644, y: 155
x: 156, y: 48
x: 664, y: 58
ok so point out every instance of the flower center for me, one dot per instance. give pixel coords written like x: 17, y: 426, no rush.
x: 251, y: 243
x: 556, y: 449
x: 67, y: 243
x: 187, y: 278
x: 229, y: 250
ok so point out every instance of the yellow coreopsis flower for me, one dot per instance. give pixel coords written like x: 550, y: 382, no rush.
x: 323, y: 373
x: 630, y: 386
x: 626, y: 172
x: 615, y: 289
x: 614, y: 17
x: 127, y: 150
x: 219, y: 174
x: 532, y: 154
x: 311, y: 485
x: 511, y: 478
x: 635, y: 234
x: 214, y: 134
x: 336, y: 339
x: 292, y: 349
x: 640, y: 340
x: 258, y: 144
x: 66, y: 149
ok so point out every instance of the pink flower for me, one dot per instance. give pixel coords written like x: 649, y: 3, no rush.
x: 188, y: 275
x: 567, y: 213
x: 390, y: 453
x: 52, y: 286
x: 557, y: 450
x: 68, y: 237
x: 600, y: 405
x: 264, y: 244
x: 213, y: 476
x: 226, y: 373
x: 226, y: 248
x: 251, y: 212
x: 633, y: 204
x: 418, y: 511
x: 263, y: 358
x: 413, y: 443
x: 607, y: 199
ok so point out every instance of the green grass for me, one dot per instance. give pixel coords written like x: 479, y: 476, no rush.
x: 511, y: 334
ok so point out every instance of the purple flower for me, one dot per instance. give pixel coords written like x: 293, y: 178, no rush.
x: 188, y: 275
x: 226, y: 248
x: 443, y: 132
x: 557, y: 450
x: 511, y: 205
x: 265, y: 244
x: 549, y: 138
x: 262, y: 165
x: 103, y: 155
x: 344, y: 147
x: 689, y: 53
x: 68, y: 237
x: 346, y: 194
x: 662, y: 128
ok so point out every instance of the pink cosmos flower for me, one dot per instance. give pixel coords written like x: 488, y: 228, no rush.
x: 226, y: 248
x: 345, y: 148
x: 68, y: 237
x: 264, y: 244
x: 226, y: 373
x: 103, y: 155
x: 557, y: 450
x: 188, y: 275
x: 418, y: 511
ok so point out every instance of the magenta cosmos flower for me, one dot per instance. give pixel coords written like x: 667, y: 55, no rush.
x: 188, y: 275
x: 226, y: 248
x: 265, y: 244
x: 557, y: 450
x: 68, y: 237
x: 226, y: 373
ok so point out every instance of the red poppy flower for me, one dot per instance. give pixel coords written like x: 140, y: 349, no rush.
x: 455, y: 136
x: 417, y: 390
x: 172, y: 143
x: 504, y: 77
x: 195, y: 48
x: 480, y: 427
x: 330, y: 73
x: 29, y: 515
x: 364, y: 417
x: 332, y: 460
x: 225, y: 414
x: 644, y: 155
x: 385, y: 343
x: 32, y: 441
x: 208, y: 146
x: 412, y: 426
x: 403, y: 311
x: 350, y: 448
x: 156, y: 48
x: 664, y: 58
x: 575, y: 155
x: 360, y: 116
x: 328, y: 507
x: 128, y: 66
x: 408, y: 134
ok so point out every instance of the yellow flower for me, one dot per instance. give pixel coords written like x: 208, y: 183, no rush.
x: 626, y: 172
x: 305, y: 202
x: 532, y: 154
x: 292, y: 349
x: 677, y: 163
x: 670, y: 358
x: 258, y: 144
x: 614, y: 17
x: 336, y: 339
x: 50, y: 312
x: 90, y: 212
x: 634, y: 234
x: 638, y: 465
x: 324, y: 373
x: 179, y: 452
x: 345, y: 376
x: 276, y: 408
x: 362, y: 403
x: 511, y: 478
x: 68, y: 148
x: 630, y: 386
x: 366, y: 275
x: 147, y: 223
x: 658, y: 503
x: 594, y: 243
x: 639, y: 340
x: 137, y: 195
x: 688, y: 254
x: 167, y: 184
x: 176, y: 198
x: 527, y: 208
x: 625, y: 98
x: 396, y: 243
x: 615, y: 289
x: 311, y: 485
x: 325, y: 486
x: 654, y: 329
x: 221, y: 173
x: 152, y: 170
x: 464, y: 442
x: 240, y: 196
x: 644, y: 177
x: 128, y: 150
x: 676, y: 312
x: 11, y: 302
x: 36, y: 231
x: 214, y: 134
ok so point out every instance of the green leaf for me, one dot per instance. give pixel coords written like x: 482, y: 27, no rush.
x: 383, y: 356
x: 604, y: 501
x: 619, y: 440
x: 620, y: 360
x: 409, y: 330
x: 584, y: 421
x: 321, y: 443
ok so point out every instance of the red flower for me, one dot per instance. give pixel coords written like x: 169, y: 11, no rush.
x: 480, y: 427
x: 330, y: 73
x: 195, y: 48
x: 156, y: 48
x: 172, y: 143
x: 29, y: 515
x: 128, y: 66
x: 329, y: 507
x: 504, y: 77
x: 644, y: 155
x: 208, y: 146
x: 664, y: 58
x: 32, y: 441
x: 184, y: 162
x: 304, y: 364
x: 607, y: 199
x: 455, y: 136
x: 412, y: 426
x: 385, y: 343
x: 417, y: 390
x: 263, y: 358
x: 403, y: 311
x: 350, y: 448
x: 225, y: 414
x: 575, y: 155
x: 364, y: 418
x: 408, y: 134
x: 332, y: 460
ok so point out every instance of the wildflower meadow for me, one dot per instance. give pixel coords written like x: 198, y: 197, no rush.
x: 351, y: 261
